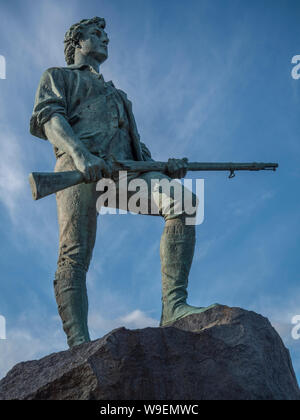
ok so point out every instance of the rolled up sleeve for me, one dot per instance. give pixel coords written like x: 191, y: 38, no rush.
x: 50, y: 99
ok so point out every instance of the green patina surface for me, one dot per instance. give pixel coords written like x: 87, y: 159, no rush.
x: 86, y: 118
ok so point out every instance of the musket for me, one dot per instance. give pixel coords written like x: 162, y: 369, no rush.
x: 46, y: 183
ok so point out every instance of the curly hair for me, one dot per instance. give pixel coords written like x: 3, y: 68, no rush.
x: 74, y: 34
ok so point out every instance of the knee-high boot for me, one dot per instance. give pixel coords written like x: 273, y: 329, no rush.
x: 176, y: 252
x: 71, y: 297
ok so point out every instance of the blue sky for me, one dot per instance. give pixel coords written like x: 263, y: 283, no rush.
x: 210, y: 80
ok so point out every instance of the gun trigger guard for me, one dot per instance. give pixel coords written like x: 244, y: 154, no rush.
x: 232, y: 174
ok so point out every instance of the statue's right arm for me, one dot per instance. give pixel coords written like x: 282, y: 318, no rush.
x: 49, y: 121
x: 61, y: 135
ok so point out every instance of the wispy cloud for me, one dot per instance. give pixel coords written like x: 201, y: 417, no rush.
x: 46, y: 25
x: 133, y: 320
x: 26, y: 217
x: 12, y: 172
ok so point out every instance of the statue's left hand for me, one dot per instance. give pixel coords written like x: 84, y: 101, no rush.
x: 177, y: 168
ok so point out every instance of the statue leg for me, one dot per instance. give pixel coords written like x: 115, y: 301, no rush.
x: 176, y: 249
x: 77, y: 217
x: 176, y: 252
x: 72, y: 302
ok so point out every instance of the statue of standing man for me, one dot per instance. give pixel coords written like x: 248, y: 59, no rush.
x: 87, y: 120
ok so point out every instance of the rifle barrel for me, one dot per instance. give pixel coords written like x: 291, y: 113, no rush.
x: 137, y: 166
x: 231, y: 166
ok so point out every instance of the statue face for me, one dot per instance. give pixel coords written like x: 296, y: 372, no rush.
x: 94, y: 43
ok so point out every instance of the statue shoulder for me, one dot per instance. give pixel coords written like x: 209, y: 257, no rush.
x: 120, y: 92
x: 55, y: 74
x: 123, y: 94
x: 124, y: 97
x: 58, y: 71
x: 55, y: 69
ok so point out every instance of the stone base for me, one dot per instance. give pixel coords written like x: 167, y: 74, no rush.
x: 221, y: 354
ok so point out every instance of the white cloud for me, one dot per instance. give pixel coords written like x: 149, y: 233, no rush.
x: 138, y: 319
x: 133, y: 320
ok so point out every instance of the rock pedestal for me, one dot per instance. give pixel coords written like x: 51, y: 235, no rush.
x: 222, y: 354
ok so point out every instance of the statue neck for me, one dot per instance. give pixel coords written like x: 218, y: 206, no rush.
x: 80, y: 59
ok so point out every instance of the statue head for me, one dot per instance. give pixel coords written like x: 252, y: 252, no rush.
x: 89, y: 37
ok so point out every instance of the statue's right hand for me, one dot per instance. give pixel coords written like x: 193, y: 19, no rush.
x: 91, y: 166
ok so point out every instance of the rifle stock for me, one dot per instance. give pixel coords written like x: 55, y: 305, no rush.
x: 46, y: 183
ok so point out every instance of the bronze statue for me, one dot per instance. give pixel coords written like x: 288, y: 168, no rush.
x: 88, y: 121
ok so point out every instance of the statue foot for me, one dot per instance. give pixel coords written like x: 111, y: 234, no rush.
x: 78, y: 341
x: 183, y: 311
